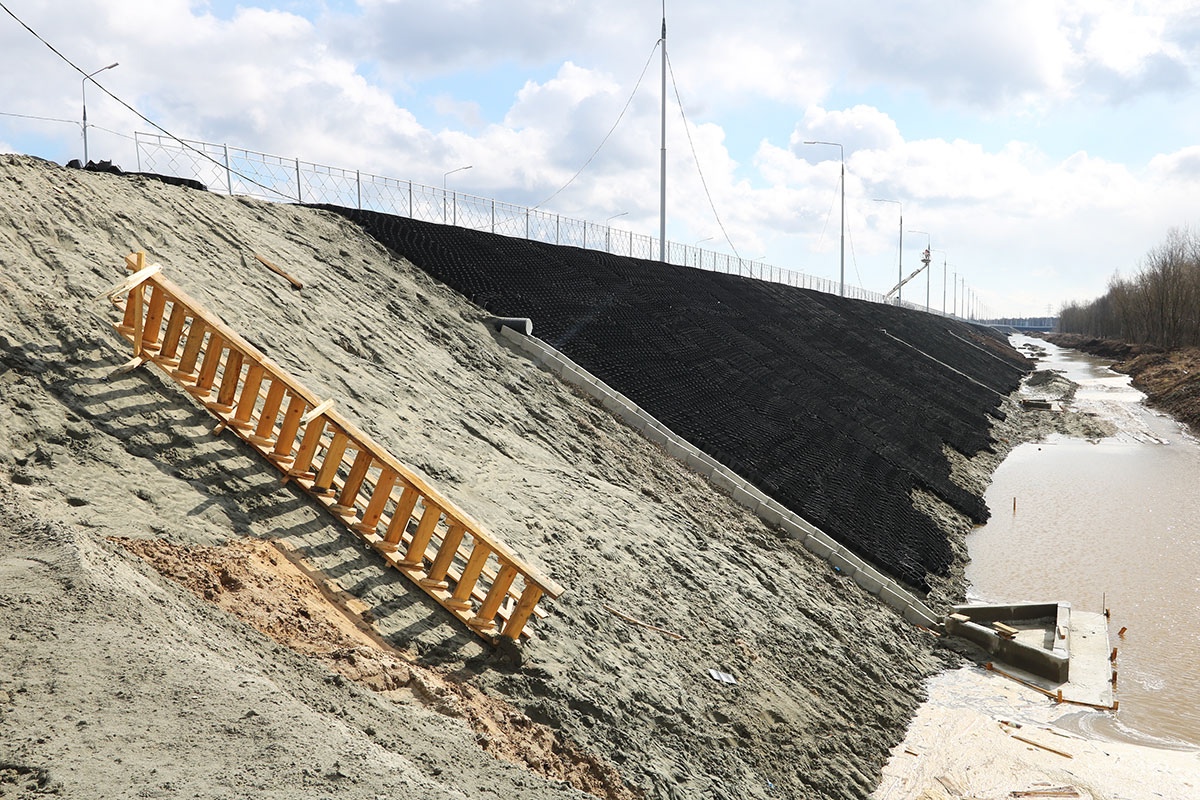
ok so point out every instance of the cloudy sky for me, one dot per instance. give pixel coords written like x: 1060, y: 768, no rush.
x: 1043, y: 145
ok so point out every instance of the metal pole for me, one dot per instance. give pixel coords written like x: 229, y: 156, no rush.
x: 228, y: 171
x: 843, y: 287
x: 662, y: 178
x: 299, y: 190
x: 944, y: 267
x: 86, y: 78
x: 358, y: 184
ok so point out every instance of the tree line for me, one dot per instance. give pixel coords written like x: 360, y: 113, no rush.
x: 1158, y: 305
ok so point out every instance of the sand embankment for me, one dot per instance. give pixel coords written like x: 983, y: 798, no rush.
x: 116, y: 681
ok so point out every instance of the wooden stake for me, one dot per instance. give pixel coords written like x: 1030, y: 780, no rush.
x: 646, y: 625
x: 279, y: 271
x: 1044, y: 747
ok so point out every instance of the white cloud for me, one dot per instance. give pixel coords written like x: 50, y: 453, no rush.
x: 351, y: 87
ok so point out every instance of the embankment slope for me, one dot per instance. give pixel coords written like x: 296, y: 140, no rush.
x: 839, y: 409
x: 114, y: 682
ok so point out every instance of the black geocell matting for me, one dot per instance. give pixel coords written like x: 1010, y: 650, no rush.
x: 799, y: 392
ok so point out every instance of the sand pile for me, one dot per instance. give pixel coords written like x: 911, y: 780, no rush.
x: 115, y: 681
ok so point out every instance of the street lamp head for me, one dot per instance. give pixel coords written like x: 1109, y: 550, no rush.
x: 83, y: 91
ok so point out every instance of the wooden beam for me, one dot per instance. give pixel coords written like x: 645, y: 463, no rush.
x: 279, y: 271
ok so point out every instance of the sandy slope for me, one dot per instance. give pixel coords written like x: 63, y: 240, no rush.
x: 118, y: 683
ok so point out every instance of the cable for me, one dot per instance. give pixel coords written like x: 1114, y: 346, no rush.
x: 133, y: 110
x: 691, y: 144
x: 610, y: 130
x: 853, y: 256
x: 43, y: 119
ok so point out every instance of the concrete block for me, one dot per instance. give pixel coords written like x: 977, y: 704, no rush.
x: 655, y: 434
x: 920, y: 615
x: 722, y: 480
x: 701, y: 461
x: 677, y: 449
x: 869, y: 580
x: 614, y: 403
x: 843, y: 561
x: 895, y: 599
x: 793, y: 528
x: 744, y: 497
x: 770, y: 514
x: 815, y: 545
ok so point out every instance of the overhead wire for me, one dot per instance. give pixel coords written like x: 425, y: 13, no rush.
x: 134, y: 111
x: 604, y: 141
x: 695, y: 158
x: 43, y: 119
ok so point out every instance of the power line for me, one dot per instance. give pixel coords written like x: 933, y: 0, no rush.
x: 133, y: 110
x: 610, y: 130
x: 696, y: 160
x: 43, y: 119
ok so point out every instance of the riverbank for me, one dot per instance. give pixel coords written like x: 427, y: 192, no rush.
x: 964, y: 741
x: 1169, y: 379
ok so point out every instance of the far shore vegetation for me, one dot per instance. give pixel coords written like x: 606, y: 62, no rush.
x: 1159, y: 305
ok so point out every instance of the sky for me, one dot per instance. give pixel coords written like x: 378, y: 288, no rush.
x: 1040, y: 147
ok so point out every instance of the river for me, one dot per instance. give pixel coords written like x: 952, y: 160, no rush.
x: 1117, y: 522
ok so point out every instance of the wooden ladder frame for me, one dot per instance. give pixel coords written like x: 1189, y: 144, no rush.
x: 416, y: 529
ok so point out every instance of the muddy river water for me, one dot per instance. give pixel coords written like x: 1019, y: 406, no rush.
x: 1113, y: 521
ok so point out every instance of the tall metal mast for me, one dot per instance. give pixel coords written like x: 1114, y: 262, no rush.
x: 662, y: 179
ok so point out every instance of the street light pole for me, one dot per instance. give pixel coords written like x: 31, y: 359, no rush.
x: 444, y: 176
x: 925, y: 260
x: 900, y: 270
x: 608, y: 231
x: 83, y: 91
x: 945, y: 256
x: 842, y: 158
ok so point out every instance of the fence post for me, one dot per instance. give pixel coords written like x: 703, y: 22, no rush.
x: 299, y: 191
x: 454, y: 208
x: 411, y: 215
x: 228, y: 171
x: 493, y: 216
x: 557, y: 225
x: 527, y: 224
x: 358, y: 184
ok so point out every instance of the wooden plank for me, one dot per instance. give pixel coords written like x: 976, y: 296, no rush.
x: 133, y: 281
x: 279, y: 271
x: 1020, y: 738
x: 1007, y: 631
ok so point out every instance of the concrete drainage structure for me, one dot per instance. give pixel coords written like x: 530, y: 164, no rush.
x: 1039, y: 645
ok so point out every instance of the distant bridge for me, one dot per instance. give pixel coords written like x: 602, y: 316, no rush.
x: 1024, y: 324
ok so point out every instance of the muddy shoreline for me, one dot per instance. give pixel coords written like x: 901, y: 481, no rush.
x: 1170, y: 379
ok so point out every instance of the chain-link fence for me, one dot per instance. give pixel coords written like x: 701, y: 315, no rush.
x: 236, y: 171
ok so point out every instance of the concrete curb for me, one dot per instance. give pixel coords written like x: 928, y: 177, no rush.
x: 911, y: 607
